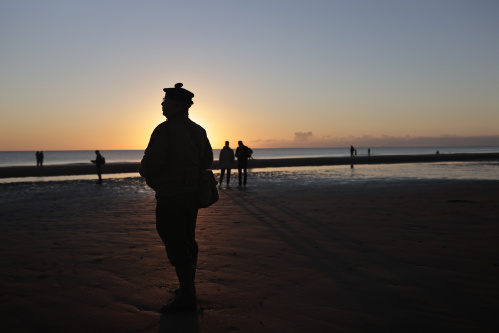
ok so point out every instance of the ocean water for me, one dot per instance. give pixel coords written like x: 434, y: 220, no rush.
x: 25, y: 158
x: 336, y: 174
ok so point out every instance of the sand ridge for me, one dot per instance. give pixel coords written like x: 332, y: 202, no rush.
x: 129, y: 167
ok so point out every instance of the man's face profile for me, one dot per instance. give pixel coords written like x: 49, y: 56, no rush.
x: 169, y: 106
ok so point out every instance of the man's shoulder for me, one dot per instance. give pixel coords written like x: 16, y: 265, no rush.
x: 161, y: 127
x: 196, y: 128
x: 196, y: 125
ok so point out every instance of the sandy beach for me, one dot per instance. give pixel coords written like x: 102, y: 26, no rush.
x: 400, y: 256
x: 112, y: 168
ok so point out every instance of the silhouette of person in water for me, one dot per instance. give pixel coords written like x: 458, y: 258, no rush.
x: 177, y: 151
x: 243, y: 153
x: 352, y: 151
x: 368, y: 151
x: 41, y: 158
x: 99, y: 162
x: 226, y: 161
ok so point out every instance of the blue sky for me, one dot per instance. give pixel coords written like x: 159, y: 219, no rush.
x: 84, y: 75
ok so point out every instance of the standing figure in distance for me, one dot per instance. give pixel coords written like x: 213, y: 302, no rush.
x: 37, y: 158
x: 352, y: 151
x: 178, y: 151
x: 243, y: 153
x: 99, y: 162
x: 225, y: 161
x: 41, y: 158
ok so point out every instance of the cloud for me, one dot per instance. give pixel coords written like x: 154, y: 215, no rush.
x: 427, y: 141
x: 301, y: 137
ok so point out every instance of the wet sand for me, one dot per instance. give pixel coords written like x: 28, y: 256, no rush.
x: 403, y: 256
x: 111, y: 168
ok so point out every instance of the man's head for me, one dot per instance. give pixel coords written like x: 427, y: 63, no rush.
x: 177, y: 100
x: 227, y: 143
x: 240, y: 143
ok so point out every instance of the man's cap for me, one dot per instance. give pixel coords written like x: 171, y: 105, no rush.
x: 178, y: 93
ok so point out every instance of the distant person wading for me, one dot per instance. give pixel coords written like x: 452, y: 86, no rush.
x: 178, y: 150
x: 99, y: 162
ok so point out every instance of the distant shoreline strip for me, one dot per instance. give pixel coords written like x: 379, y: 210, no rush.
x: 129, y: 167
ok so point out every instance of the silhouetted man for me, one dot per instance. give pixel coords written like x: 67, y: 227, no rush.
x: 243, y: 153
x: 99, y: 162
x: 178, y: 150
x: 225, y: 161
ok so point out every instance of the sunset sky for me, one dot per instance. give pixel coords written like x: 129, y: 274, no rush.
x: 273, y: 73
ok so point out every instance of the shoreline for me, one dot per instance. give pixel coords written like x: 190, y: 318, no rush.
x: 130, y: 167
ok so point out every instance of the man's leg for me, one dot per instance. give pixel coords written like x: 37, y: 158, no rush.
x: 222, y: 172
x: 245, y: 175
x: 239, y: 172
x: 176, y: 223
x: 228, y: 177
x: 99, y: 174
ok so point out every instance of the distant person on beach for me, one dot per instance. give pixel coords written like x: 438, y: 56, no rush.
x: 99, y: 162
x: 352, y: 151
x: 243, y: 153
x: 177, y: 151
x: 226, y: 162
x: 39, y: 158
x: 368, y: 151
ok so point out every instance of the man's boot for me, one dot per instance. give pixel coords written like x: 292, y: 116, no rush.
x: 185, y: 300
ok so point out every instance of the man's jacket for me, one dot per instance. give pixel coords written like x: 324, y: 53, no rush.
x: 177, y: 151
